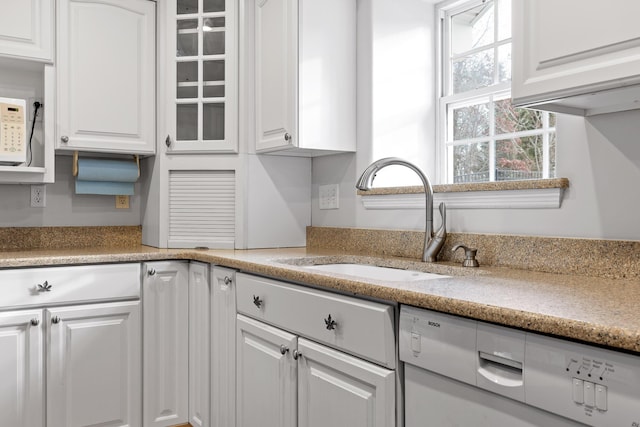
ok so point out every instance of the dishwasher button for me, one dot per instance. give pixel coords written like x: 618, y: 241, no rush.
x: 415, y: 342
x: 601, y: 397
x: 578, y: 391
x: 589, y: 394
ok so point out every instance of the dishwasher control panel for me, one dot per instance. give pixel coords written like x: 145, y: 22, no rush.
x: 591, y: 385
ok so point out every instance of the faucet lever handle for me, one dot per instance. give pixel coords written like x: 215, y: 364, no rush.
x: 469, y: 256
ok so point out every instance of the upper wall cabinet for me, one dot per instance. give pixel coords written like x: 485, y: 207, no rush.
x: 199, y: 76
x: 106, y: 76
x: 575, y: 56
x: 26, y: 29
x: 305, y: 65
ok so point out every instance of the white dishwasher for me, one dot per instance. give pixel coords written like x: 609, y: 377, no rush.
x: 461, y: 372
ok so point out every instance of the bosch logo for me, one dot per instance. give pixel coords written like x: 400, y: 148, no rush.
x: 434, y: 324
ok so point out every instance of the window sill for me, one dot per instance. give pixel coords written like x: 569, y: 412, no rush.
x: 529, y: 194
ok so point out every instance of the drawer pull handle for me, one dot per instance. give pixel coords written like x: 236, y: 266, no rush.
x: 257, y: 301
x: 55, y: 320
x: 35, y: 322
x: 45, y: 287
x: 284, y: 349
x: 330, y: 323
x: 296, y: 354
x: 227, y: 280
x: 151, y: 272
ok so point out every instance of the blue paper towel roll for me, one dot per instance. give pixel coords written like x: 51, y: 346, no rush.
x: 108, y: 170
x: 107, y: 188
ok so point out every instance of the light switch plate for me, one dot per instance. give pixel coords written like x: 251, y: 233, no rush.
x: 329, y: 196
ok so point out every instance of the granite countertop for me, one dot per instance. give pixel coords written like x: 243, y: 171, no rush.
x: 590, y: 309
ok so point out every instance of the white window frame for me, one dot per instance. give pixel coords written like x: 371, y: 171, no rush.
x: 447, y: 101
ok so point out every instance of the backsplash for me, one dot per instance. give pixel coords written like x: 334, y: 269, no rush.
x: 586, y: 257
x: 32, y: 238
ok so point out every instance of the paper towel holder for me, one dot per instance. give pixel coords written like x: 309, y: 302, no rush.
x: 75, y: 163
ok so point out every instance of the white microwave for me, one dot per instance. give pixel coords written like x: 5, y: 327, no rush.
x: 13, y: 125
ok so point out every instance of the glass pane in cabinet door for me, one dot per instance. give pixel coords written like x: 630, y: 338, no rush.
x: 187, y: 73
x: 187, y: 44
x: 213, y: 5
x: 187, y: 6
x: 213, y: 121
x: 187, y: 122
x: 213, y: 36
x: 213, y: 79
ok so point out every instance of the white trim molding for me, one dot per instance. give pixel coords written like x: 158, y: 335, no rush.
x: 540, y: 198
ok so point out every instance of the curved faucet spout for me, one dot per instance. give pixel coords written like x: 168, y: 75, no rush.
x: 365, y: 183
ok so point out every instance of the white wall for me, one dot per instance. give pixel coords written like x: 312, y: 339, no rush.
x: 599, y: 155
x: 64, y: 207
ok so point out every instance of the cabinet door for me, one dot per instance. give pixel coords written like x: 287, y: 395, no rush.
x: 266, y: 375
x: 572, y: 48
x: 199, y: 76
x: 335, y: 389
x: 26, y: 29
x: 276, y: 71
x: 106, y: 76
x: 93, y: 365
x: 166, y: 304
x: 21, y: 369
x: 223, y: 347
x: 199, y: 379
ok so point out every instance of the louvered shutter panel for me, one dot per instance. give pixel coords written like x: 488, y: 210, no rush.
x: 202, y: 209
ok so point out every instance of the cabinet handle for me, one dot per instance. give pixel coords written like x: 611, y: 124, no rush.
x: 330, y: 324
x: 35, y: 322
x: 64, y: 139
x: 55, y: 320
x: 227, y: 280
x: 287, y: 137
x: 284, y: 349
x: 257, y: 301
x: 45, y: 287
x: 296, y: 354
x: 151, y: 272
x: 167, y: 141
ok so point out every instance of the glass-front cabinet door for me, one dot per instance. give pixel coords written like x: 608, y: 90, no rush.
x: 201, y: 79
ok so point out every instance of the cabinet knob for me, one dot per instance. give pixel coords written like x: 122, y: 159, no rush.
x: 151, y: 272
x: 287, y: 137
x: 296, y: 354
x: 284, y: 349
x: 330, y: 324
x: 227, y: 280
x: 35, y: 322
x: 167, y: 141
x: 45, y: 287
x: 55, y: 320
x: 257, y: 301
x: 64, y: 139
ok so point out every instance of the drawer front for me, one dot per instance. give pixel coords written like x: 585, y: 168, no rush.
x: 70, y: 284
x: 362, y: 328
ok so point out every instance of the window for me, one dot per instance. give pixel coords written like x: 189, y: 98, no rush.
x: 483, y: 136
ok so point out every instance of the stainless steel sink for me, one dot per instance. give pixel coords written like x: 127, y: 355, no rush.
x: 375, y: 272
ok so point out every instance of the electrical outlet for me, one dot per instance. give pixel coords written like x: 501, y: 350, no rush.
x: 32, y: 109
x: 38, y: 196
x: 122, y: 202
x: 329, y: 196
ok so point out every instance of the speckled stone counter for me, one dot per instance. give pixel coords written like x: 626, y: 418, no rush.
x: 596, y: 310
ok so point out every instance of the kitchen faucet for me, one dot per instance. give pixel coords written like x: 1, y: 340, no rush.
x: 432, y: 242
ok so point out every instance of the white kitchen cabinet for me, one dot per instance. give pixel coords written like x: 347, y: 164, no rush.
x: 93, y: 365
x: 21, y: 369
x: 199, y: 76
x: 106, y: 76
x: 199, y: 345
x: 27, y: 29
x: 165, y: 342
x: 576, y: 57
x: 266, y: 375
x: 305, y: 76
x: 223, y: 347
